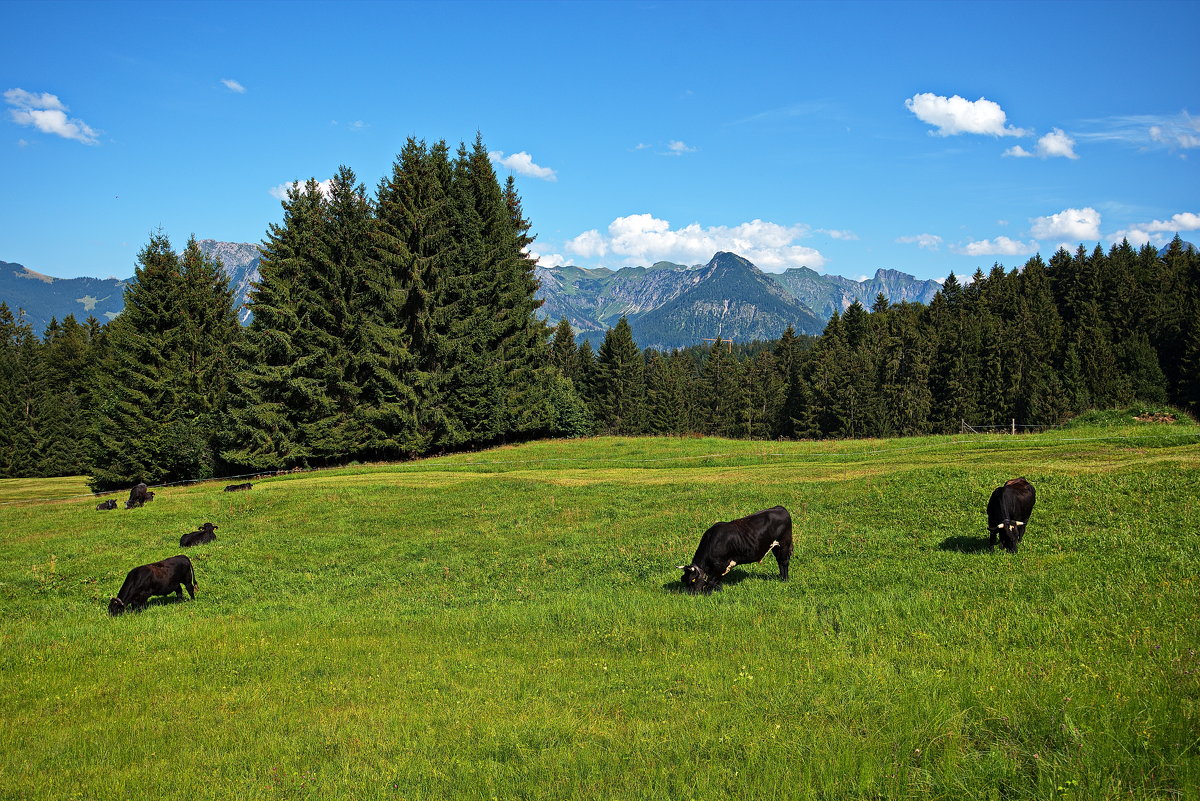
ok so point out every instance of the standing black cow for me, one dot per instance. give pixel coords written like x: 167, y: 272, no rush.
x: 138, y: 496
x: 739, y: 542
x: 203, y: 535
x: 111, y: 503
x: 160, y: 578
x: 1008, y: 511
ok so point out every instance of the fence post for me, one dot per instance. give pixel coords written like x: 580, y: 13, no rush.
x: 1014, y: 426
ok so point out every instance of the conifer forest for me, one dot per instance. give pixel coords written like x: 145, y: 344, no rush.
x: 404, y: 323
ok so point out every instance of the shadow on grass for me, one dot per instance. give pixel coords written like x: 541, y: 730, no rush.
x: 731, y: 579
x: 965, y: 544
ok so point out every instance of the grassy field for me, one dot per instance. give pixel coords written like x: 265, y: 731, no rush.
x: 505, y: 625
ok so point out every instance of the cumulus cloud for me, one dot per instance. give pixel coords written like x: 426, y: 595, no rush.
x: 1072, y: 225
x: 957, y: 115
x: 522, y: 164
x: 1000, y: 246
x: 233, y: 86
x: 677, y: 148
x: 927, y: 241
x: 640, y: 239
x: 281, y: 191
x: 48, y: 114
x: 548, y: 259
x: 1158, y: 231
x: 589, y: 244
x: 1052, y: 145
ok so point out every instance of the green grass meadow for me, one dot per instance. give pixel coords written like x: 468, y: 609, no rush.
x: 505, y: 625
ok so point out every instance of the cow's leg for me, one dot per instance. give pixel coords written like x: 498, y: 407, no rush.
x: 783, y: 555
x: 992, y: 538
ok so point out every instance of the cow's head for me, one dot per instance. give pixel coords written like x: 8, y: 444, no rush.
x: 1010, y: 532
x: 116, y: 606
x: 695, y: 580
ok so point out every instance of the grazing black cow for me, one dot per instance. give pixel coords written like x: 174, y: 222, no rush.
x: 160, y: 578
x: 203, y: 535
x: 109, y: 504
x: 139, y: 496
x: 1008, y: 511
x: 739, y: 542
x: 239, y: 487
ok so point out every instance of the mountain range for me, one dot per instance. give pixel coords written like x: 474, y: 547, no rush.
x: 668, y: 305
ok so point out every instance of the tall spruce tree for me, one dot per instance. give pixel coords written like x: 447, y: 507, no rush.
x: 619, y: 399
x: 172, y: 335
x: 280, y: 409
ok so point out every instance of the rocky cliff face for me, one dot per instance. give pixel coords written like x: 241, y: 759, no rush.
x: 240, y: 260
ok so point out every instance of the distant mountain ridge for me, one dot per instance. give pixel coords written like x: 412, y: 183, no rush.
x: 42, y: 297
x: 668, y: 305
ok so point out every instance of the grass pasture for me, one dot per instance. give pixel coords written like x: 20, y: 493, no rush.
x: 504, y: 625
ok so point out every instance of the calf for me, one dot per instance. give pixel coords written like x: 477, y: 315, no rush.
x: 1008, y: 511
x: 160, y: 578
x: 138, y: 496
x: 239, y: 487
x: 205, y: 534
x: 739, y: 542
x: 109, y: 504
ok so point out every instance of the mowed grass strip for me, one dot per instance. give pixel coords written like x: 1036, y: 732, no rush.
x: 496, y: 625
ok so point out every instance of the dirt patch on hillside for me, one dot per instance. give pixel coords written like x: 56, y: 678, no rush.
x: 1156, y: 418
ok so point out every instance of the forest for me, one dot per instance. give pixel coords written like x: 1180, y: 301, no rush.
x: 405, y: 324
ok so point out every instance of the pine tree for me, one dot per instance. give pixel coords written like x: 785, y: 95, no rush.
x: 155, y: 425
x: 620, y: 391
x: 280, y: 399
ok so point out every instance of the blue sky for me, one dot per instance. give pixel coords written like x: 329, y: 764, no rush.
x: 924, y: 137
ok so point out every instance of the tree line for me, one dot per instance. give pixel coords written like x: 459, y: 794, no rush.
x: 404, y: 324
x: 1037, y: 344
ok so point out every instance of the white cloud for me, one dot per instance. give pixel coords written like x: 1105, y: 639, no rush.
x: 849, y: 236
x: 1187, y: 221
x: 957, y: 115
x: 548, y: 259
x: 233, y: 86
x: 1000, y: 246
x: 642, y: 146
x: 589, y: 244
x: 1073, y: 225
x: 927, y: 241
x: 281, y: 191
x: 522, y: 164
x: 642, y: 239
x: 1054, y: 144
x: 677, y: 148
x: 1158, y: 231
x: 48, y: 114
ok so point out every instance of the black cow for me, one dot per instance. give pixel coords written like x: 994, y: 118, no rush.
x: 111, y: 503
x: 139, y: 496
x: 1008, y: 511
x: 160, y: 578
x: 203, y: 535
x: 239, y: 487
x: 739, y: 542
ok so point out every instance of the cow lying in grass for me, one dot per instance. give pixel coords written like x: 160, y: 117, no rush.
x: 104, y: 505
x: 199, y: 537
x: 739, y: 542
x: 239, y: 487
x: 160, y: 578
